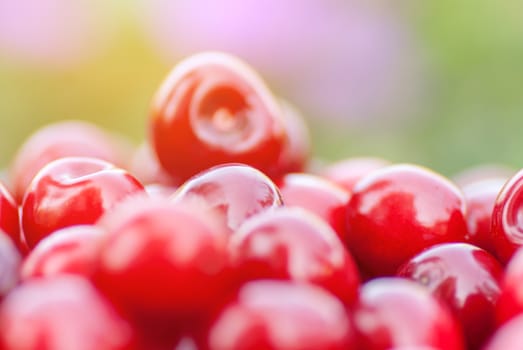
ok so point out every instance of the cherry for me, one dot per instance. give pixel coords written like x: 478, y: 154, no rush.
x: 510, y: 301
x: 291, y: 243
x: 347, y: 172
x: 213, y: 109
x: 281, y: 315
x: 9, y: 218
x: 508, y: 336
x: 70, y: 138
x: 235, y: 191
x: 467, y: 279
x: 72, y: 191
x: 73, y: 249
x: 397, y: 211
x: 394, y: 313
x: 10, y: 260
x: 507, y: 222
x: 319, y: 196
x: 61, y: 313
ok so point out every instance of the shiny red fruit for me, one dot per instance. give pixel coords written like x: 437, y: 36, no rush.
x: 235, y: 191
x: 61, y: 313
x: 71, y: 250
x: 291, y: 243
x: 281, y: 315
x: 319, y: 196
x: 62, y: 139
x: 73, y: 191
x: 160, y: 259
x: 395, y: 313
x: 510, y: 301
x: 508, y: 336
x: 467, y: 279
x: 10, y: 260
x: 213, y: 109
x: 398, y: 211
x: 507, y: 221
x: 9, y: 218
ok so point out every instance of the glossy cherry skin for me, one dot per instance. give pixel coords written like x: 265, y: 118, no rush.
x: 10, y: 260
x: 281, y: 315
x: 61, y: 313
x: 70, y: 138
x: 397, y: 211
x: 347, y: 172
x: 467, y: 279
x: 319, y: 196
x: 480, y: 197
x: 507, y: 222
x: 235, y: 191
x: 71, y: 250
x: 510, y: 301
x: 73, y: 191
x: 213, y: 109
x: 508, y: 336
x: 395, y: 312
x: 9, y: 218
x: 162, y: 260
x: 291, y: 243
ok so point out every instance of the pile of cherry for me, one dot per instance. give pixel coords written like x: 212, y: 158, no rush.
x: 211, y: 236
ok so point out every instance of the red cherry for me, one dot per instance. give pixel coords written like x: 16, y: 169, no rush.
x: 61, y: 313
x: 507, y: 222
x: 394, y: 313
x: 510, y: 301
x: 58, y: 140
x: 9, y: 218
x: 319, y: 196
x: 72, y: 191
x: 9, y: 265
x: 508, y: 336
x: 480, y: 197
x: 73, y: 249
x: 397, y: 211
x: 291, y: 243
x: 160, y: 259
x: 281, y: 315
x: 213, y: 109
x: 467, y: 279
x: 347, y: 172
x: 235, y: 191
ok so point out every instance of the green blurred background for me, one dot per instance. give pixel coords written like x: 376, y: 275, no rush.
x: 437, y: 82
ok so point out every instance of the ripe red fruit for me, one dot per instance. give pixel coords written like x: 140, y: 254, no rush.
x: 467, y: 279
x: 291, y: 243
x: 319, y: 196
x: 72, y: 250
x: 62, y: 139
x: 9, y: 218
x: 61, y: 313
x: 507, y: 222
x: 213, y: 109
x: 281, y: 315
x: 396, y: 313
x: 9, y: 265
x: 234, y: 191
x: 73, y: 191
x: 397, y: 211
x: 508, y: 336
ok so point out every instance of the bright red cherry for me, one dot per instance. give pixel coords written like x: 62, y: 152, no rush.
x: 10, y: 260
x: 467, y: 279
x: 319, y: 196
x: 508, y: 336
x: 160, y: 259
x: 507, y: 221
x: 347, y: 172
x: 62, y: 139
x: 73, y: 249
x: 395, y: 313
x: 214, y: 109
x: 73, y: 191
x: 510, y: 301
x: 61, y: 313
x: 480, y: 197
x: 281, y: 315
x: 9, y: 218
x: 397, y: 211
x: 235, y: 191
x: 291, y: 243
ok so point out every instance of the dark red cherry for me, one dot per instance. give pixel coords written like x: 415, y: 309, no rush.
x: 467, y: 279
x: 281, y: 315
x: 398, y: 211
x: 213, y: 109
x: 395, y: 313
x: 73, y: 191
